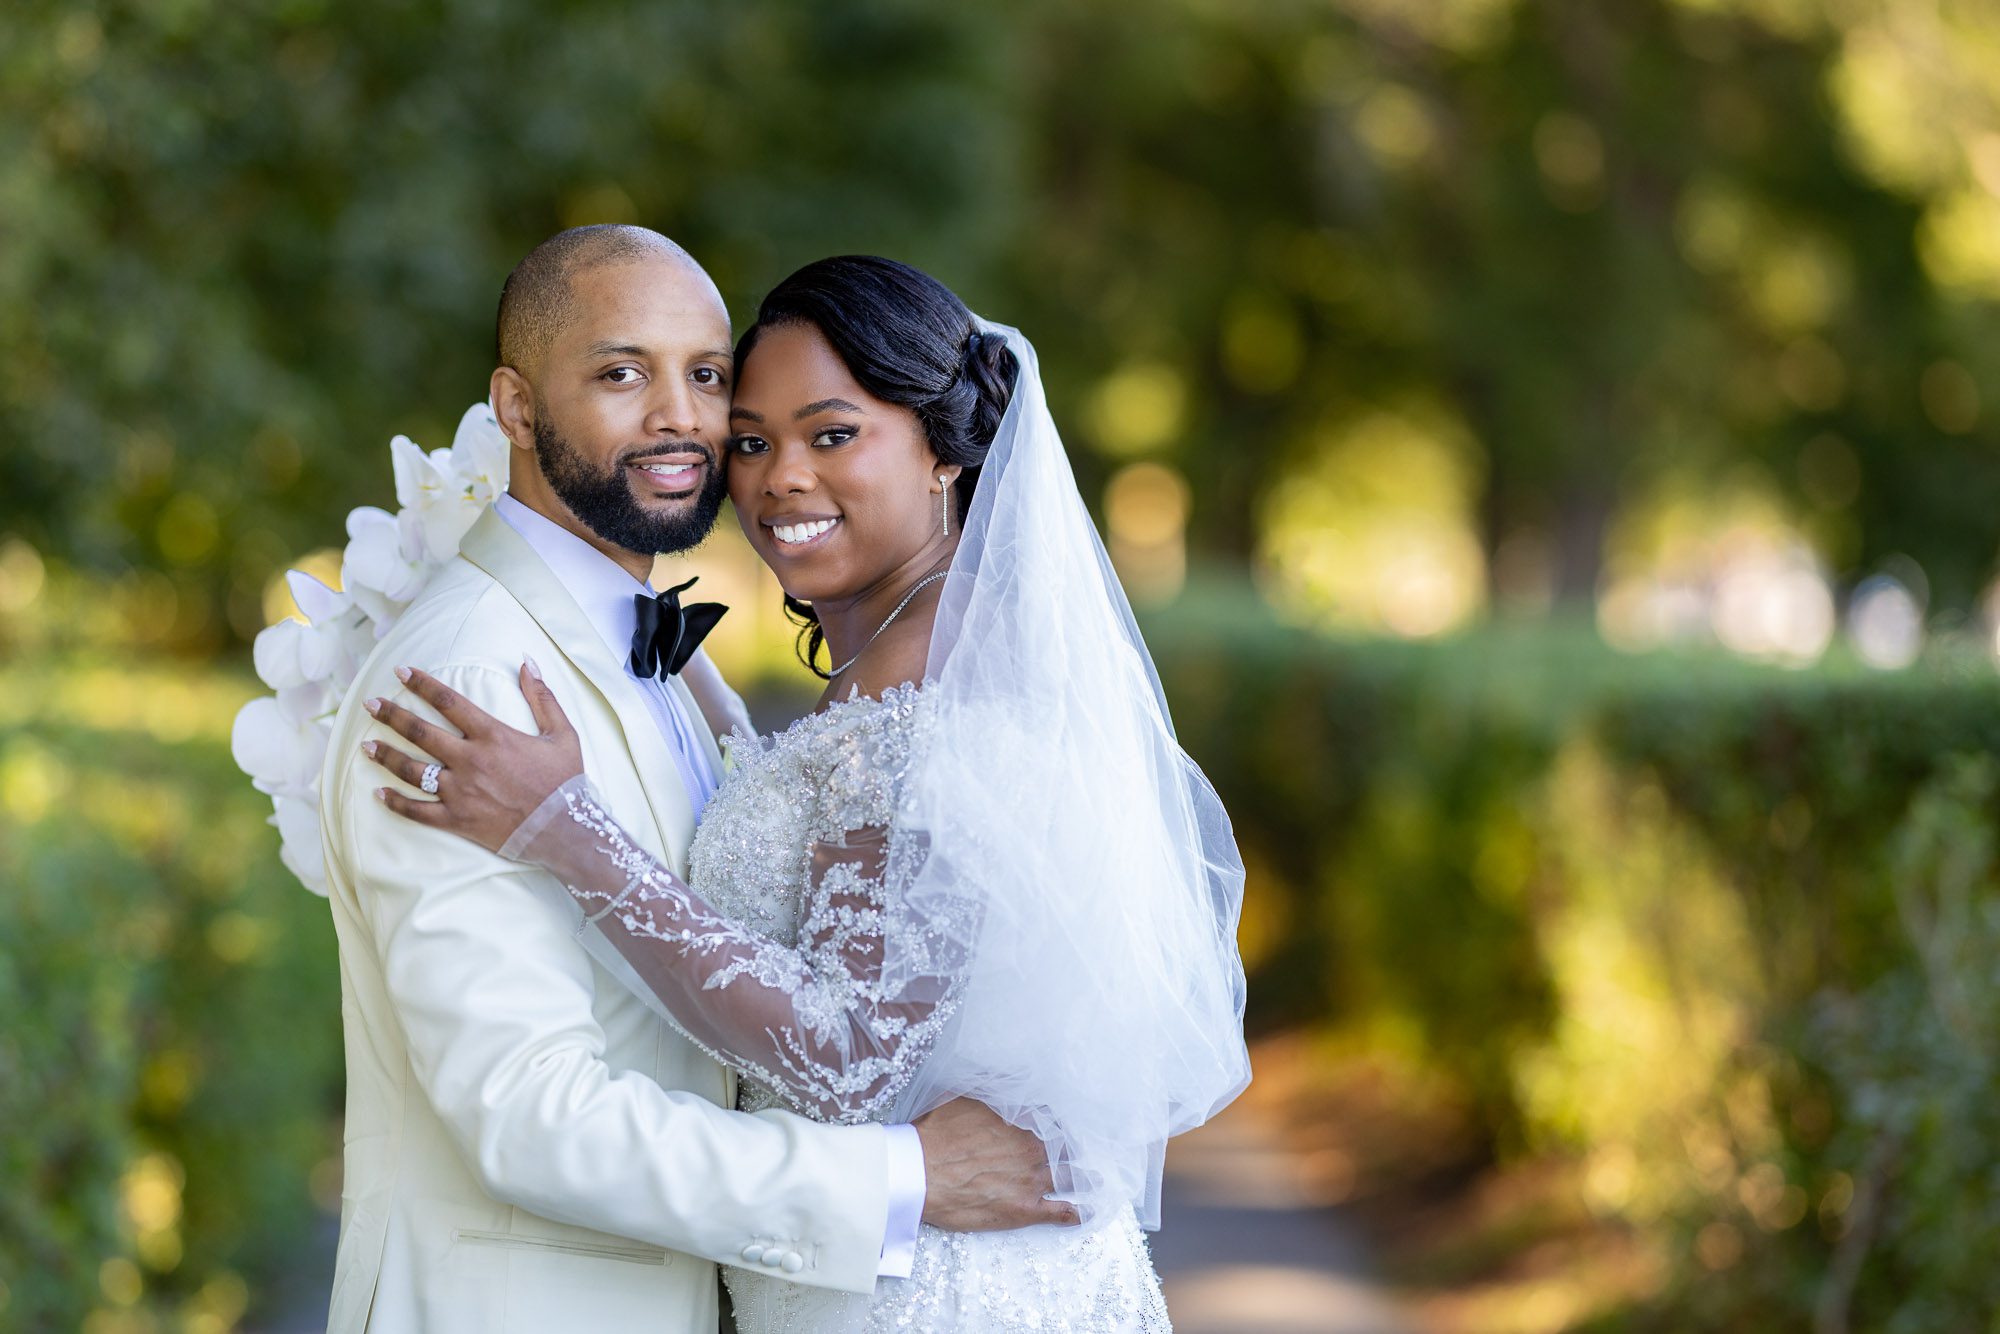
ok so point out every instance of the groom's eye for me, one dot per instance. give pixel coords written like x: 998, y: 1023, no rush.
x: 714, y: 376
x: 630, y: 371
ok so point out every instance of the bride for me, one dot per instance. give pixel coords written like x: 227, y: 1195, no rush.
x: 983, y: 868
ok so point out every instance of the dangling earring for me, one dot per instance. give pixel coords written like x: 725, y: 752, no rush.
x: 944, y: 502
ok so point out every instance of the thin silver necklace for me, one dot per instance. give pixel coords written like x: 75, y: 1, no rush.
x: 914, y: 589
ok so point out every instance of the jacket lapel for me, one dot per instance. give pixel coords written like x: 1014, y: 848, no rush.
x: 711, y: 745
x: 503, y: 553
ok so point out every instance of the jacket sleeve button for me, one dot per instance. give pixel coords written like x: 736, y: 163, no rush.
x: 793, y: 1262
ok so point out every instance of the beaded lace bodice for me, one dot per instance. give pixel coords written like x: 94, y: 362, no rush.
x: 752, y: 855
x: 773, y: 962
x: 824, y: 777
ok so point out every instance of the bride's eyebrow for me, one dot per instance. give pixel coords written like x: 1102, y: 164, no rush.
x: 825, y: 405
x: 745, y: 414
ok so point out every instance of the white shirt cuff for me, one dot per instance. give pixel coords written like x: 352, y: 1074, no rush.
x: 906, y: 1202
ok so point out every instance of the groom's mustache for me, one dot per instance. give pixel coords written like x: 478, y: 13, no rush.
x: 666, y: 450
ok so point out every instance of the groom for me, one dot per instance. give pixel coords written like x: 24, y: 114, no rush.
x: 528, y: 1147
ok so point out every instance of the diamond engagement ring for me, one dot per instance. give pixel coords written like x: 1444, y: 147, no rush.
x: 429, y: 782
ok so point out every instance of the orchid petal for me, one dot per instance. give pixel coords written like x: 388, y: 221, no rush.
x: 275, y: 654
x: 297, y: 821
x: 366, y: 519
x: 383, y: 611
x: 316, y: 601
x: 378, y: 556
x: 445, y: 526
x: 275, y: 748
x: 409, y: 464
x: 302, y: 704
x: 480, y: 454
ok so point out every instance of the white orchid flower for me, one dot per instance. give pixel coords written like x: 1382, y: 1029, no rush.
x: 277, y: 652
x: 280, y: 751
x: 317, y: 602
x: 382, y: 613
x: 385, y: 555
x: 357, y: 632
x: 281, y: 740
x: 294, y: 653
x: 480, y: 455
x: 338, y: 644
x: 419, y: 480
x: 445, y: 525
x: 384, y: 567
x: 307, y: 702
x: 330, y: 656
x: 428, y: 486
x: 297, y: 822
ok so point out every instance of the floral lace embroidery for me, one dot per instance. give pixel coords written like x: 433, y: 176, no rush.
x: 838, y: 1042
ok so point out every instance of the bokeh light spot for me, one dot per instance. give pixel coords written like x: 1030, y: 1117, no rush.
x: 1950, y: 397
x: 1137, y: 408
x: 187, y: 529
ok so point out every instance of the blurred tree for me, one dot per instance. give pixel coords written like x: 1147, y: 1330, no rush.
x: 1591, y: 245
x: 1617, y: 241
x: 245, y: 243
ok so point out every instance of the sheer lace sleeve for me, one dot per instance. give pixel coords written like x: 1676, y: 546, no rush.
x: 819, y: 1022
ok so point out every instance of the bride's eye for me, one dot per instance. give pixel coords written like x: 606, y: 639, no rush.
x: 746, y: 444
x: 833, y: 436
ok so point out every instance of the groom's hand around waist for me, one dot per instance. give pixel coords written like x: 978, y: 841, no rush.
x: 982, y: 1174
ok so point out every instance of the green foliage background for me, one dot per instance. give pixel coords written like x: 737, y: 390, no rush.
x: 246, y: 243
x: 1722, y: 932
x: 169, y: 1069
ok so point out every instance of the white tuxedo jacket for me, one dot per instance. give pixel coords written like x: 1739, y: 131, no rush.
x: 527, y: 1147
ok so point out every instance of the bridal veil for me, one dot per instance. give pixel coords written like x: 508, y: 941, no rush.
x: 1086, y: 860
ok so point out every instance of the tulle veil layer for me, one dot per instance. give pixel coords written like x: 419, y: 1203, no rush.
x: 1085, y: 858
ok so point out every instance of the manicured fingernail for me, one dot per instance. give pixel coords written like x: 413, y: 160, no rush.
x: 533, y: 670
x: 403, y: 674
x: 373, y: 706
x: 382, y: 795
x: 368, y: 749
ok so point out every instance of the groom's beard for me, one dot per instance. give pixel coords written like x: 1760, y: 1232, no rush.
x: 605, y: 503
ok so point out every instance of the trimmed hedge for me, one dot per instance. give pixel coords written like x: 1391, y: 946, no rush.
x: 170, y: 1059
x: 1730, y: 934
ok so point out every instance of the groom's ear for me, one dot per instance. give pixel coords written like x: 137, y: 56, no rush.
x: 513, y: 401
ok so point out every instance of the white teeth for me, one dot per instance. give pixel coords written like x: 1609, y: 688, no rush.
x: 802, y: 532
x: 667, y: 469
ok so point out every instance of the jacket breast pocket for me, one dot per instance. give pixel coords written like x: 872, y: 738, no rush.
x: 563, y: 1246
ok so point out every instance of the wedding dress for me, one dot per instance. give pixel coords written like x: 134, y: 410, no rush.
x: 774, y: 968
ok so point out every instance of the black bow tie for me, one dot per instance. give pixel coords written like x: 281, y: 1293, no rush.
x: 669, y: 633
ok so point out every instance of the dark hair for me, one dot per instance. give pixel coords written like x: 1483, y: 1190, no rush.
x: 908, y: 340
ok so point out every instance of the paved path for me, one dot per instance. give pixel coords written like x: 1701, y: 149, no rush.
x: 1243, y: 1249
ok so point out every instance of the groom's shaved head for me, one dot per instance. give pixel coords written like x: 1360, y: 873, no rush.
x: 536, y: 302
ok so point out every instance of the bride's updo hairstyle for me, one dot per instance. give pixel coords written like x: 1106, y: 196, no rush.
x: 907, y: 339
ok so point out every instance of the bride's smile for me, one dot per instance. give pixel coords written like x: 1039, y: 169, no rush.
x: 798, y: 531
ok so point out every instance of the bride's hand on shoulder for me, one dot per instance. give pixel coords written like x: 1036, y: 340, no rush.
x: 491, y: 777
